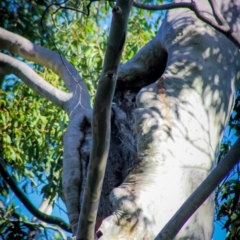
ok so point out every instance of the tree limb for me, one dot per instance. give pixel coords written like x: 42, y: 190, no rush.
x: 217, y: 14
x: 45, y: 207
x: 201, y: 193
x: 168, y: 6
x: 34, y: 81
x: 72, y: 176
x: 23, y: 47
x: 27, y: 203
x: 223, y: 28
x: 144, y: 67
x: 101, y: 119
x: 43, y: 226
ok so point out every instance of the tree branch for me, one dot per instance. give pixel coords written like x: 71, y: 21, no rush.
x: 217, y: 14
x: 223, y: 28
x: 168, y: 6
x: 144, y: 68
x: 101, y: 125
x: 27, y: 203
x: 201, y: 193
x: 45, y: 207
x: 72, y: 176
x: 43, y: 226
x: 23, y: 47
x: 34, y: 81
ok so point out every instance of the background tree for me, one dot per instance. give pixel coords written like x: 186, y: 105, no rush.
x: 126, y: 154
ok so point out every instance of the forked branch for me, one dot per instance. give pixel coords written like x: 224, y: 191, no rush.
x: 40, y: 55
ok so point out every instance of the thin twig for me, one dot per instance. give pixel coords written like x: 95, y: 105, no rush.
x: 218, y: 15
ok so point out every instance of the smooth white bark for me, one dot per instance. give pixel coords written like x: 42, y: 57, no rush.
x: 179, y: 123
x: 201, y: 193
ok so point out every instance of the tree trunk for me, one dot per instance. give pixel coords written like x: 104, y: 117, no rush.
x: 171, y: 105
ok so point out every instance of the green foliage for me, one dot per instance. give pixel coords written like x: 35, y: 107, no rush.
x: 10, y: 221
x: 235, y: 118
x: 22, y: 17
x: 228, y: 206
x: 83, y: 41
x: 17, y: 226
x: 84, y: 49
x: 31, y: 128
x: 32, y: 131
x: 227, y: 198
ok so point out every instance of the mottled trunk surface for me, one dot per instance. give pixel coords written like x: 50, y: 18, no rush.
x: 171, y: 105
